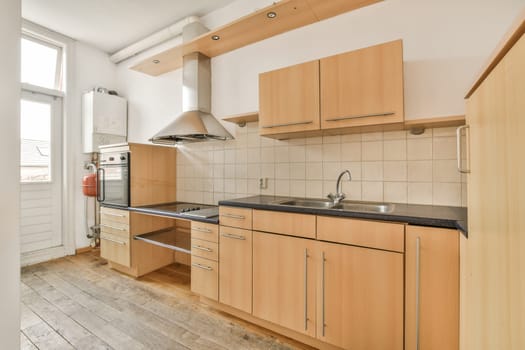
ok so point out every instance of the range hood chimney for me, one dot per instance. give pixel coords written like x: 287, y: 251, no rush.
x: 196, y: 123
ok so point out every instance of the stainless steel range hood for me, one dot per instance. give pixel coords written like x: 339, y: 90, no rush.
x: 196, y: 123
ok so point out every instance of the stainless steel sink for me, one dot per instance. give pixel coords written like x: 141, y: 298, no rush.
x: 374, y: 207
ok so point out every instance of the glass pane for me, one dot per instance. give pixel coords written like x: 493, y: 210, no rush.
x: 39, y: 64
x: 35, y: 132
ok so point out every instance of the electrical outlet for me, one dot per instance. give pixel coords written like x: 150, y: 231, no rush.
x: 263, y: 183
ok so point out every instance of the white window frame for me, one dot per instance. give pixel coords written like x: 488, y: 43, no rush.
x: 59, y: 69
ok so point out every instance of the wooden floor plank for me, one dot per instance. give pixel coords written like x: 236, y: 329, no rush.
x: 82, y: 300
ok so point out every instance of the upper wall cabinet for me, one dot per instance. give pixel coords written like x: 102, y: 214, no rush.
x: 363, y: 87
x: 289, y: 99
x: 358, y: 88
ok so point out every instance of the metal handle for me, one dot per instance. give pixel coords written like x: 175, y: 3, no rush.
x: 233, y: 216
x: 101, y: 186
x: 199, y: 229
x: 286, y: 124
x: 384, y: 114
x: 202, y: 266
x: 117, y: 215
x: 323, y: 314
x: 229, y: 235
x: 306, y: 289
x: 112, y: 240
x: 418, y: 287
x: 459, y: 150
x: 202, y: 248
x: 114, y: 227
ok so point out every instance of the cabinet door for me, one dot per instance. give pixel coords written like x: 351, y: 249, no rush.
x: 205, y: 277
x: 235, y: 268
x: 432, y: 289
x: 289, y: 99
x: 360, y: 297
x: 284, y: 281
x: 363, y: 87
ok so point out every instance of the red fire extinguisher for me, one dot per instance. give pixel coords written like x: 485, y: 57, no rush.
x: 89, y: 185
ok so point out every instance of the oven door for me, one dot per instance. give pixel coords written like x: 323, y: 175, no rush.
x: 113, y: 184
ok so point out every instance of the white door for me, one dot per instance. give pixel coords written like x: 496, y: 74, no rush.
x: 40, y: 172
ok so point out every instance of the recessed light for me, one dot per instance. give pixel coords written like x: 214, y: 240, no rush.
x: 215, y: 37
x: 271, y: 14
x: 156, y: 61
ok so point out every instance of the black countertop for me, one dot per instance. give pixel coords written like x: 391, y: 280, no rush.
x: 414, y: 214
x: 163, y: 210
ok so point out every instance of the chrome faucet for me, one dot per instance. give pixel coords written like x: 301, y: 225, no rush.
x: 339, y: 195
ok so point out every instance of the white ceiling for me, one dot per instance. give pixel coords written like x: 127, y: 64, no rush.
x: 114, y: 24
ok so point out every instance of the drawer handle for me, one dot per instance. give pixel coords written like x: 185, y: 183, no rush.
x: 202, y: 248
x: 287, y: 124
x: 200, y: 229
x: 114, y: 227
x: 359, y: 116
x: 229, y: 235
x: 199, y: 266
x: 233, y: 216
x: 112, y: 240
x: 116, y: 215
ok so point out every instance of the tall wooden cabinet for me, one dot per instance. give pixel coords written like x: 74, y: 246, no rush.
x: 431, y: 288
x: 493, y: 307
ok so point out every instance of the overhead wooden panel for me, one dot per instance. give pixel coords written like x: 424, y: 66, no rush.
x: 290, y: 14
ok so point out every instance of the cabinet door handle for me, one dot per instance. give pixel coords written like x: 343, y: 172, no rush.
x: 306, y: 289
x: 116, y: 215
x: 287, y: 124
x: 323, y: 313
x: 418, y: 287
x: 200, y: 229
x: 229, y: 235
x: 233, y: 216
x: 384, y: 114
x: 199, y: 266
x: 114, y: 227
x: 112, y: 240
x: 202, y: 248
x: 459, y: 150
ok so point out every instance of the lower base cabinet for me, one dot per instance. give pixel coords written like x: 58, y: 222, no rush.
x: 360, y: 297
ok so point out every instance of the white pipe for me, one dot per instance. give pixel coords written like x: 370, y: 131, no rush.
x: 152, y: 40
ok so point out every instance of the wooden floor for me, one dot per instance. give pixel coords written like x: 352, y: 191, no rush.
x: 77, y: 302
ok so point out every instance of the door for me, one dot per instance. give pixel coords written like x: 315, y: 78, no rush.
x: 284, y: 281
x: 360, y: 297
x: 363, y: 87
x: 40, y: 172
x: 289, y: 99
x: 432, y: 288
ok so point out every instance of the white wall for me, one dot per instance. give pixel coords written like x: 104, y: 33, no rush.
x: 91, y: 68
x: 10, y: 176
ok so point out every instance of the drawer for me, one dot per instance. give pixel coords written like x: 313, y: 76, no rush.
x: 115, y: 216
x: 115, y: 229
x: 205, y: 277
x: 115, y: 249
x: 373, y: 234
x: 235, y: 217
x: 206, y: 232
x: 205, y: 249
x: 293, y: 224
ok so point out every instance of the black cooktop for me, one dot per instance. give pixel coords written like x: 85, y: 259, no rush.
x: 192, y: 211
x: 178, y: 207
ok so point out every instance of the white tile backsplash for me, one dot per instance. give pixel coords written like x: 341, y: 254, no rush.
x: 393, y: 166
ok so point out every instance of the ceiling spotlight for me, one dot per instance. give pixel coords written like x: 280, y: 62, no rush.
x: 156, y: 61
x: 271, y: 14
x: 215, y: 37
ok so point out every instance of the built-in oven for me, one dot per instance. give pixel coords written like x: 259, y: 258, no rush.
x: 113, y: 179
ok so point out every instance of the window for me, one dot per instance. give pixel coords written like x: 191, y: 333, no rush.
x: 41, y: 63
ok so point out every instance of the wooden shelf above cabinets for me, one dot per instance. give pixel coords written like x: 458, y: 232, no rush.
x: 242, y: 119
x: 278, y: 18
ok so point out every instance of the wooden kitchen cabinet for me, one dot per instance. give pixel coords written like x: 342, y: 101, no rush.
x: 284, y: 275
x: 115, y: 237
x: 432, y: 288
x: 235, y: 268
x: 359, y: 297
x: 289, y: 99
x: 363, y: 87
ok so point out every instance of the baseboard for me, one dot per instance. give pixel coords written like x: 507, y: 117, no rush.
x: 42, y: 255
x: 83, y: 250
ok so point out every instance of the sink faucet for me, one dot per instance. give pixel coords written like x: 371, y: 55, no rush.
x: 339, y: 195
